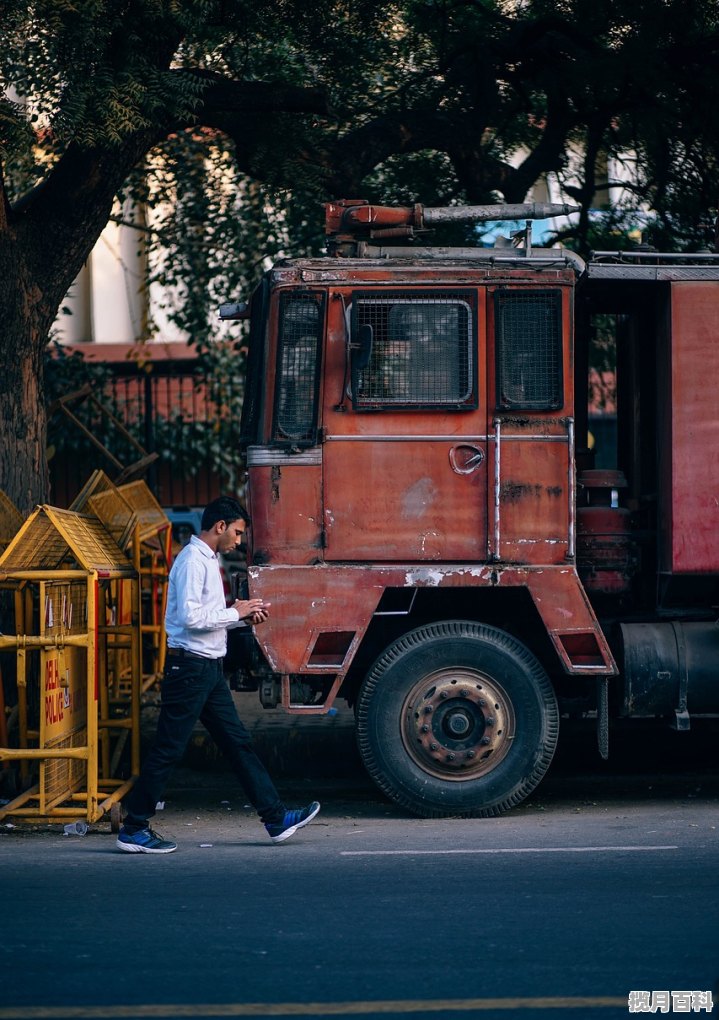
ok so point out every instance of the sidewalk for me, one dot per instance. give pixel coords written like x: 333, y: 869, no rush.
x: 309, y: 756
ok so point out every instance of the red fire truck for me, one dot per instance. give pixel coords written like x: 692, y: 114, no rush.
x: 438, y: 544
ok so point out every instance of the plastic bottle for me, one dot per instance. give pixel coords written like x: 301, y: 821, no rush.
x: 76, y: 829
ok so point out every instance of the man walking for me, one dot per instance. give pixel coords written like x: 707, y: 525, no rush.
x: 194, y: 687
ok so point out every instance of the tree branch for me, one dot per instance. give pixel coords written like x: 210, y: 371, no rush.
x: 547, y: 155
x: 347, y: 161
x: 59, y: 221
x: 226, y: 97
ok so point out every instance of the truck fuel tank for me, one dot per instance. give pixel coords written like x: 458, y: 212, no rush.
x: 670, y: 669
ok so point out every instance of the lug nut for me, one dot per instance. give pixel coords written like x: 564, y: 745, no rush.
x: 482, y: 703
x: 464, y: 694
x: 489, y: 721
x: 470, y: 754
x: 485, y: 741
x: 425, y: 729
x: 443, y: 694
x: 428, y: 710
x: 450, y: 757
x: 434, y: 747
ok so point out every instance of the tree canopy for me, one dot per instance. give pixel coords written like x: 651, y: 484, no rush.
x: 286, y: 103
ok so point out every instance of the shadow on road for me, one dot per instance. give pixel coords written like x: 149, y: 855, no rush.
x: 648, y: 761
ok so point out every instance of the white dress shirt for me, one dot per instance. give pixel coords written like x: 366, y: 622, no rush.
x: 196, y: 617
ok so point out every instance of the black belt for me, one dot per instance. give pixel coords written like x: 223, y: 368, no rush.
x: 182, y: 653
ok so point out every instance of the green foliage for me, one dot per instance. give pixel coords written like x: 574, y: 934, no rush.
x: 430, y: 101
x: 65, y: 372
x: 95, y: 71
x: 458, y: 100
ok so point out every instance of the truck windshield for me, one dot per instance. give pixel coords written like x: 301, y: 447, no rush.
x: 422, y: 350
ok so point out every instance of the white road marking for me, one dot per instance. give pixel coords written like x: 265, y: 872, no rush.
x: 507, y: 850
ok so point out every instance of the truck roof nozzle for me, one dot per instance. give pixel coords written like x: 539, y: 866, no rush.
x: 354, y: 218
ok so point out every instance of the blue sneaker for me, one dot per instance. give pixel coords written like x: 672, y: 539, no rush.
x: 145, y: 841
x: 293, y: 820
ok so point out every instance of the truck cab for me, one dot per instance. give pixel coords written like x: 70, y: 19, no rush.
x: 425, y: 516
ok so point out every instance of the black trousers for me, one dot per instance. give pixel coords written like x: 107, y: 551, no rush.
x: 195, y: 689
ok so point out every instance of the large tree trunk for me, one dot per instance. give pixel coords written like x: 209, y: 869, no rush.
x: 23, y: 459
x: 44, y: 240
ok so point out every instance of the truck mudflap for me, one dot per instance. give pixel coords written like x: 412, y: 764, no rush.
x: 570, y: 621
x: 320, y: 614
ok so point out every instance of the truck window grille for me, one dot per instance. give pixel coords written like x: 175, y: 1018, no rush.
x: 422, y: 350
x: 528, y: 336
x: 298, y: 351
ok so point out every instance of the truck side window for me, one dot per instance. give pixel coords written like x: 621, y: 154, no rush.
x: 422, y: 351
x: 298, y: 352
x: 528, y: 337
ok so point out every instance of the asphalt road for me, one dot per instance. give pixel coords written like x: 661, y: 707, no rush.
x: 603, y: 883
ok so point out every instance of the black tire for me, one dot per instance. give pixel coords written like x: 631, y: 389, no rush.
x: 457, y: 718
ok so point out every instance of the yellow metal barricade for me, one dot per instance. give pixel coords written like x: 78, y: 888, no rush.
x: 96, y: 483
x: 78, y: 743
x: 152, y: 556
x: 132, y: 514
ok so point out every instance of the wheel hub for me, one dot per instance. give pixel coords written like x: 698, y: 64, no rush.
x: 457, y: 723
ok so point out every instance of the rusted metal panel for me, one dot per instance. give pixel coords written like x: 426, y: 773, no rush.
x: 309, y: 600
x: 570, y: 621
x: 530, y: 492
x: 692, y: 540
x: 405, y: 498
x: 342, y: 598
x: 444, y: 272
x: 284, y: 500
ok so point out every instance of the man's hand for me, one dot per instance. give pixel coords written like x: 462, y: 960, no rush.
x: 254, y: 610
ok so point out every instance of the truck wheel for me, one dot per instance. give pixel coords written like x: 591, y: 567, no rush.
x: 457, y: 718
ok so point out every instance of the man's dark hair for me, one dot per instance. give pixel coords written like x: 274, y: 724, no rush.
x: 226, y: 509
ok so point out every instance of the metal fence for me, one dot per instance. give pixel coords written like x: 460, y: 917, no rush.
x: 171, y: 410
